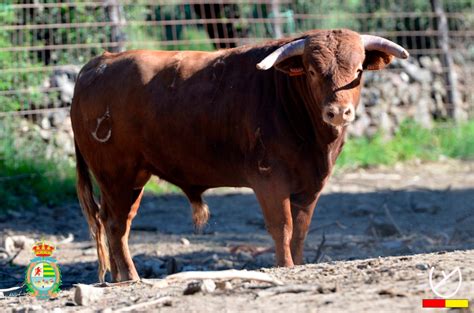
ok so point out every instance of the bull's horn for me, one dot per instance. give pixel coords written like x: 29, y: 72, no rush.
x: 384, y: 45
x: 287, y: 51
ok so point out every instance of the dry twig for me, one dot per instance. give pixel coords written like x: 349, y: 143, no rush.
x: 227, y: 275
x: 319, y: 251
x: 11, y: 289
x: 122, y: 283
x: 392, y: 220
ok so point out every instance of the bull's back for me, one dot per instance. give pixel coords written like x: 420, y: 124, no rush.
x: 160, y: 110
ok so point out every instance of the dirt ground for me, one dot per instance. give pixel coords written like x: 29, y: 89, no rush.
x: 375, y: 236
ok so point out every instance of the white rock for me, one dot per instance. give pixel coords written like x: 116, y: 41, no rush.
x: 45, y: 135
x: 89, y: 251
x: 61, y: 120
x: 208, y: 286
x: 14, y: 243
x: 29, y: 309
x: 185, y: 241
x: 45, y: 123
x: 86, y: 294
x: 404, y: 76
x: 228, y: 285
x: 64, y: 142
x: 68, y: 239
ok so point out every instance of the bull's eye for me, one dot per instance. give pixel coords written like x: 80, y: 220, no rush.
x: 312, y: 72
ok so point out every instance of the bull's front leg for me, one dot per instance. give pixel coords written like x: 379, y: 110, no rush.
x: 301, y: 215
x: 276, y: 210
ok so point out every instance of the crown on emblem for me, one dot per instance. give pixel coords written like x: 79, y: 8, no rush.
x: 42, y: 249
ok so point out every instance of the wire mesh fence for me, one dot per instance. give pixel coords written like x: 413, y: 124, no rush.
x: 44, y: 43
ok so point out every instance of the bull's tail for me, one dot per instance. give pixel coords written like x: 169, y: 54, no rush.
x: 91, y: 211
x: 200, y: 214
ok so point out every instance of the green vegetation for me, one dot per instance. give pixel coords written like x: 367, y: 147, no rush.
x: 158, y: 187
x: 33, y: 174
x: 411, y: 141
x: 28, y: 175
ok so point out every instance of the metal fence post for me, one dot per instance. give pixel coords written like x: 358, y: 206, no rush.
x: 114, y: 12
x: 276, y: 18
x: 454, y: 100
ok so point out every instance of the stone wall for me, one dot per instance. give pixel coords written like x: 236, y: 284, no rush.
x: 414, y: 90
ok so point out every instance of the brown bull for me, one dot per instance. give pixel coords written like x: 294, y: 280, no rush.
x: 271, y: 117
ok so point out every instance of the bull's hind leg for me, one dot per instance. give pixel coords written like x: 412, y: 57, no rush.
x: 120, y: 201
x: 119, y: 209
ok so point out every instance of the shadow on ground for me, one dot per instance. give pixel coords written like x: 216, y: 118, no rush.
x: 354, y: 226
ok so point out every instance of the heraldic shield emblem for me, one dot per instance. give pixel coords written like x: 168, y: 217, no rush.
x: 43, y: 277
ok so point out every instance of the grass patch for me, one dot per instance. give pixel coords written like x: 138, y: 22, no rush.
x: 28, y: 176
x: 158, y: 187
x: 411, y: 141
x: 31, y: 176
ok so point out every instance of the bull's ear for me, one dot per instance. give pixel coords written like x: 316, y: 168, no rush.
x: 292, y: 66
x: 376, y: 60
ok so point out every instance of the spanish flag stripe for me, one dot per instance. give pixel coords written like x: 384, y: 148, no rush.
x: 457, y: 303
x: 433, y: 303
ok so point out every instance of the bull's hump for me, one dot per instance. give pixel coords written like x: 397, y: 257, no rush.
x: 91, y: 71
x: 178, y: 64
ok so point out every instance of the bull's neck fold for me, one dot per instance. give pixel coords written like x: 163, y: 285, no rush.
x: 304, y: 116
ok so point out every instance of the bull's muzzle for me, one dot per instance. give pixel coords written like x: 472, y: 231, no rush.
x: 338, y: 115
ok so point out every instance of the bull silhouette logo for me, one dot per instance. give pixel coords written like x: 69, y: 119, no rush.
x: 439, y: 288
